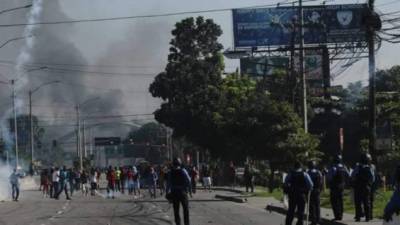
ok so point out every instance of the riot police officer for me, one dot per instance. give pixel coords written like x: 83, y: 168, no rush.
x: 316, y: 178
x: 363, y: 178
x: 297, y: 185
x: 337, y: 178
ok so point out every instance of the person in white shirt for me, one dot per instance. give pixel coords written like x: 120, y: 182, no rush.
x: 56, y: 180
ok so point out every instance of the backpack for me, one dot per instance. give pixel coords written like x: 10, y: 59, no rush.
x: 297, y: 183
x: 316, y: 178
x: 339, y: 178
x: 364, y: 177
x: 177, y: 178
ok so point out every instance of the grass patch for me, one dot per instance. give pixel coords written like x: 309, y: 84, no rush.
x: 381, y: 199
x: 264, y: 192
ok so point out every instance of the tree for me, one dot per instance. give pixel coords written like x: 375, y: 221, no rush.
x: 233, y: 117
x: 190, y: 83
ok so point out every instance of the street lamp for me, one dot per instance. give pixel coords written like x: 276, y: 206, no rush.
x: 30, y: 113
x: 12, y: 83
x: 79, y: 147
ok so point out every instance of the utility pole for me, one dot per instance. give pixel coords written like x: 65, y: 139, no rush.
x: 78, y: 139
x: 372, y: 74
x: 301, y: 70
x: 84, y: 139
x: 31, y: 125
x: 15, y: 124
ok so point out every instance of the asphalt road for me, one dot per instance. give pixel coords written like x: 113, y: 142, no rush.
x: 33, y: 209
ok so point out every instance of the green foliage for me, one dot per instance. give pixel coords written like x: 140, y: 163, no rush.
x: 152, y: 133
x: 232, y: 117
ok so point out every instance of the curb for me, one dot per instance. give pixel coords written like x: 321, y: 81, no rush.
x: 223, y: 189
x: 231, y: 198
x: 281, y: 210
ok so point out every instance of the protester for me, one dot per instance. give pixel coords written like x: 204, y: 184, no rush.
x: 249, y: 178
x: 64, y: 178
x: 194, y: 176
x: 206, y: 174
x: 56, y: 181
x: 152, y: 182
x: 93, y: 182
x: 85, y: 184
x: 111, y: 180
x: 117, y: 179
x: 136, y: 182
x: 178, y: 187
x: 45, y: 182
x: 14, y: 181
x: 162, y: 179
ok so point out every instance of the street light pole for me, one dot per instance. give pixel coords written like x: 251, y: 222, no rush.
x: 31, y: 125
x: 32, y: 141
x: 15, y: 124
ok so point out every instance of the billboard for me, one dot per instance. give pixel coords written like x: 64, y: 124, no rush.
x: 322, y: 24
x: 261, y: 66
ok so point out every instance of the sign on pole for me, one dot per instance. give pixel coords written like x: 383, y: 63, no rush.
x: 322, y: 24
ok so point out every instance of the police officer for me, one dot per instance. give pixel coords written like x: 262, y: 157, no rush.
x: 297, y: 185
x: 363, y: 177
x: 337, y: 178
x: 316, y: 178
x: 178, y: 187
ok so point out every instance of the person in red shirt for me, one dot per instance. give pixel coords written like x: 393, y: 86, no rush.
x: 111, y: 178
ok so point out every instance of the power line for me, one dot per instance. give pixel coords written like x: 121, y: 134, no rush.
x: 145, y: 16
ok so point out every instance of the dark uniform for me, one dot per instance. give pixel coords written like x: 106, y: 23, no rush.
x: 316, y: 178
x: 178, y: 186
x: 363, y: 178
x: 337, y: 178
x: 249, y: 178
x: 297, y: 185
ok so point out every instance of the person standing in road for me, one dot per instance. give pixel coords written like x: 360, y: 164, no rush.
x: 178, y: 187
x: 161, y: 178
x: 111, y: 182
x: 93, y: 182
x: 194, y: 176
x: 232, y: 175
x: 85, y: 184
x: 206, y: 174
x: 297, y: 186
x: 117, y: 179
x: 152, y: 179
x: 338, y: 176
x: 14, y: 181
x: 56, y: 181
x: 63, y: 183
x: 249, y: 178
x: 363, y: 177
x: 136, y: 181
x: 317, y: 179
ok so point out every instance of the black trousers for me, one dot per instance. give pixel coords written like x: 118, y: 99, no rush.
x: 181, y: 198
x: 362, y: 199
x: 62, y: 187
x: 15, y: 191
x: 315, y: 210
x: 297, y: 203
x: 249, y: 185
x: 336, y: 197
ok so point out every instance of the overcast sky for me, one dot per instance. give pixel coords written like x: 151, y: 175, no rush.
x: 135, y: 50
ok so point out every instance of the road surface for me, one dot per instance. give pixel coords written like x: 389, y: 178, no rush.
x: 33, y: 209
